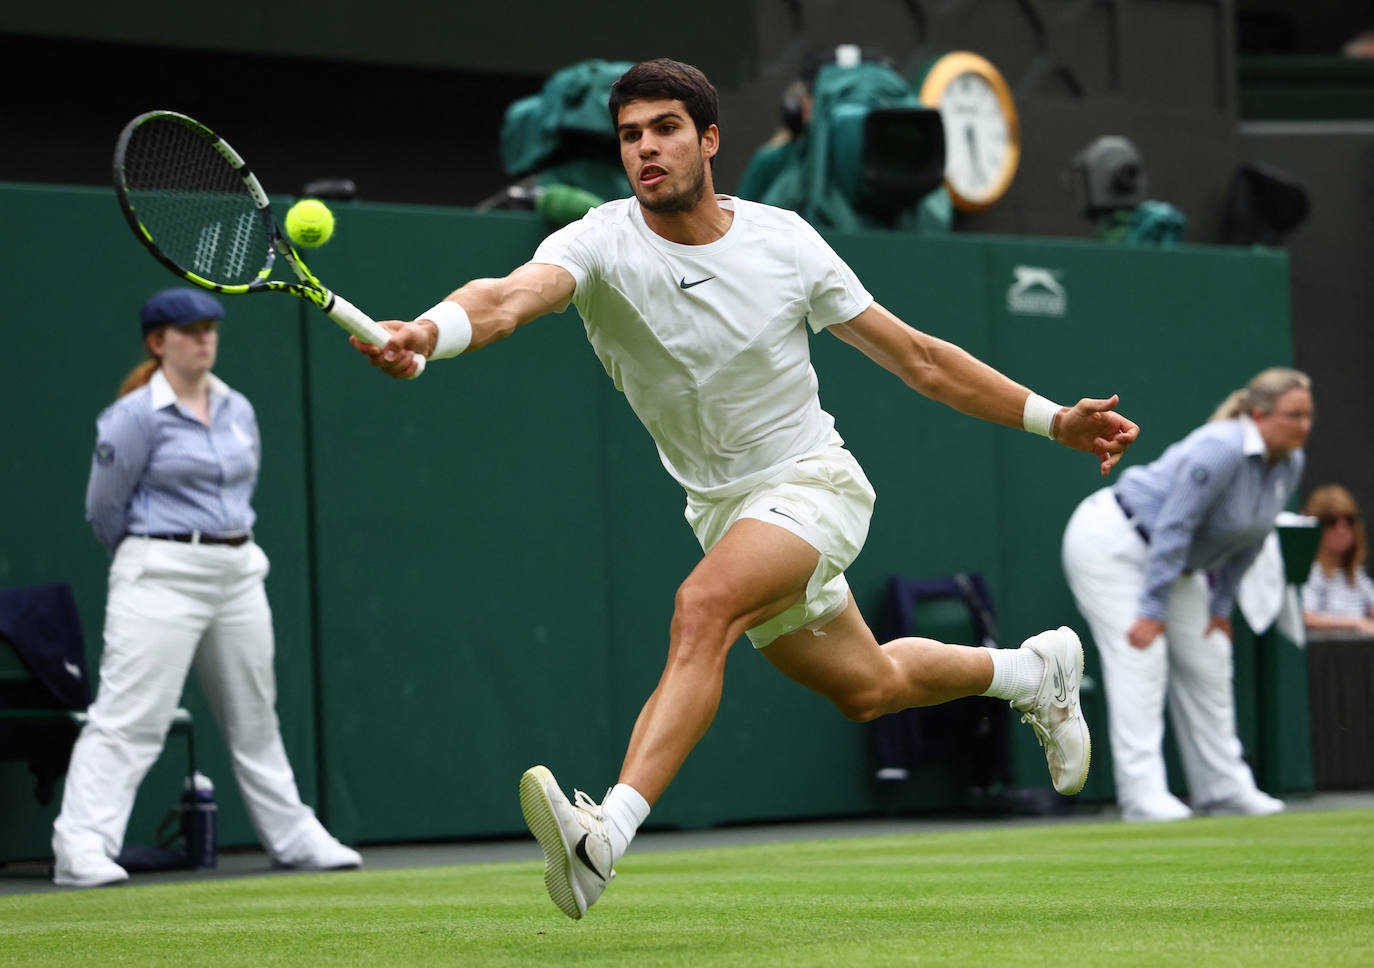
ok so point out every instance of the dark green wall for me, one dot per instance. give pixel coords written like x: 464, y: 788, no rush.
x: 474, y: 572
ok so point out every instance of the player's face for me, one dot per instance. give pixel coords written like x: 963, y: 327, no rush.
x: 1286, y: 428
x: 191, y: 348
x: 664, y: 158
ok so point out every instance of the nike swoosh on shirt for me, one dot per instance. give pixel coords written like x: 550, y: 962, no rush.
x: 688, y: 285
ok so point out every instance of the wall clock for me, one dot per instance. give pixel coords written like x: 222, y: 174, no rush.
x: 982, y: 130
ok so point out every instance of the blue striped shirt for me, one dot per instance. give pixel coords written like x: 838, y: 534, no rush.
x: 158, y: 470
x: 1207, y: 503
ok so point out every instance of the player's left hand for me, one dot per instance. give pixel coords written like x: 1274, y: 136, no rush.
x: 1095, y: 426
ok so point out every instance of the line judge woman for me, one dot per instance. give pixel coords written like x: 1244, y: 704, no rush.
x: 175, y: 465
x: 1154, y: 564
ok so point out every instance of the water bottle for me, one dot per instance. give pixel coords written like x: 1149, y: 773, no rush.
x: 200, y: 820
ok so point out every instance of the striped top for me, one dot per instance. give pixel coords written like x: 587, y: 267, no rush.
x: 1207, y: 503
x: 1334, y: 594
x: 159, y: 470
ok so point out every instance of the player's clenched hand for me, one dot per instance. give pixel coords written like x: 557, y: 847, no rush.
x: 397, y: 357
x: 1095, y: 426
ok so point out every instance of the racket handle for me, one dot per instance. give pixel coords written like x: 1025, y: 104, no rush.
x: 363, y: 326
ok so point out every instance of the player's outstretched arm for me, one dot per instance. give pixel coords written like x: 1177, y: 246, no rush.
x: 947, y: 373
x: 481, y: 312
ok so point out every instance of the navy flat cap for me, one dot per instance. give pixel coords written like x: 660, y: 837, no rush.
x: 177, y: 307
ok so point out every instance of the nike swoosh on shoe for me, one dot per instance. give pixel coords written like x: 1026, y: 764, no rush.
x: 581, y: 851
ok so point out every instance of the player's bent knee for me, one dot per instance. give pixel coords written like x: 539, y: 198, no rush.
x: 699, y: 606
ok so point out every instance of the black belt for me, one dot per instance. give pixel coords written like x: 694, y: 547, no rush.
x: 196, y: 537
x: 1130, y: 517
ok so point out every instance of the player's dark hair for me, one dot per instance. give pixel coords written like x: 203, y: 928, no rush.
x: 664, y: 79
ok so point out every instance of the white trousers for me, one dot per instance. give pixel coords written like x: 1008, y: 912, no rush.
x: 171, y: 607
x: 1105, y: 560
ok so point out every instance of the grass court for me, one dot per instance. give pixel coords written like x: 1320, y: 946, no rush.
x: 1295, y: 889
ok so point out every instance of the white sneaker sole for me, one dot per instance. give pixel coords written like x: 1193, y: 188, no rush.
x: 543, y: 823
x: 1082, y: 780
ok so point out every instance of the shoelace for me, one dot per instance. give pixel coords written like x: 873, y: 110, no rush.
x: 584, y: 802
x: 1042, y: 734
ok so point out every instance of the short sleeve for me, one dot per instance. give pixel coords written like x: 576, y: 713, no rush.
x: 835, y: 293
x: 570, y: 249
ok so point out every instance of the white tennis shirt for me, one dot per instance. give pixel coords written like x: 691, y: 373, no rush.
x: 708, y: 342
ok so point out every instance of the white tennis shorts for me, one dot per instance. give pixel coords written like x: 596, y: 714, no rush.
x: 827, y: 502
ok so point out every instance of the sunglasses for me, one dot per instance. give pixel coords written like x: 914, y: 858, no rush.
x: 1330, y: 519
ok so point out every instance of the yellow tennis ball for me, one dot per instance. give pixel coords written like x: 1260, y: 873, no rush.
x: 309, y: 223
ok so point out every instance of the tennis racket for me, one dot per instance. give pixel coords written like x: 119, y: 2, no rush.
x: 197, y: 207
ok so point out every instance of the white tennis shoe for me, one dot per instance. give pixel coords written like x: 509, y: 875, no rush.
x: 1253, y: 803
x: 87, y: 870
x: 577, y: 850
x: 1054, y: 712
x: 1159, y: 808
x: 325, y: 854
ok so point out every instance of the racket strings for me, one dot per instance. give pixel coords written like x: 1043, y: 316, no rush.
x: 194, y: 204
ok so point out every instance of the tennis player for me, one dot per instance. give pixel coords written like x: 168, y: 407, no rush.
x: 698, y: 305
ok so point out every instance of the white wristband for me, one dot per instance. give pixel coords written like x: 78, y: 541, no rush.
x: 1038, y: 417
x: 455, y: 329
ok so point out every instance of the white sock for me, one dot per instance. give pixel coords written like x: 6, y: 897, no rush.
x: 1016, y: 674
x: 623, y: 810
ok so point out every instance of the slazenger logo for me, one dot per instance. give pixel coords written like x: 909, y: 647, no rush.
x: 1037, y: 291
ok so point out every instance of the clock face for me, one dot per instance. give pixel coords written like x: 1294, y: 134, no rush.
x: 977, y: 137
x: 982, y: 133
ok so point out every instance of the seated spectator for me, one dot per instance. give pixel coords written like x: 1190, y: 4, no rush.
x: 1338, y: 593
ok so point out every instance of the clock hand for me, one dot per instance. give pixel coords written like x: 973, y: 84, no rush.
x: 972, y: 140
